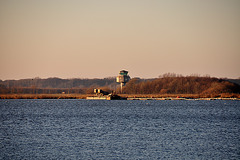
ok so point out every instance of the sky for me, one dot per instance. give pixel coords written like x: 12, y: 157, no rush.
x: 98, y: 38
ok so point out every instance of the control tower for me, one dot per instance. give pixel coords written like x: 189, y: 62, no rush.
x: 123, y: 78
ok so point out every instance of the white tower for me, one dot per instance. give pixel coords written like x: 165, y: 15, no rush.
x: 123, y: 78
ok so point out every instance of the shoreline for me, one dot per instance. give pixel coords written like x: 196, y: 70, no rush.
x: 224, y: 96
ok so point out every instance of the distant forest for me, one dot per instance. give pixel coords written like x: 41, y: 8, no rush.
x: 55, y: 85
x: 181, y: 85
x: 169, y: 83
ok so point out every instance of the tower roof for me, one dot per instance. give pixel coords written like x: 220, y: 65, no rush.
x: 123, y: 72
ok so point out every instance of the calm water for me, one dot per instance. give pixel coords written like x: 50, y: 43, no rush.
x: 85, y: 129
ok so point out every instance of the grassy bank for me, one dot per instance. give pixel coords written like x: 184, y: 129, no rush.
x: 83, y: 96
x: 193, y: 96
x: 44, y: 96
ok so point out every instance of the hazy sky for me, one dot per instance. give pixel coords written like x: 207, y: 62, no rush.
x: 98, y: 38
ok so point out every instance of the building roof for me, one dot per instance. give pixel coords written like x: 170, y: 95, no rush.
x: 123, y: 71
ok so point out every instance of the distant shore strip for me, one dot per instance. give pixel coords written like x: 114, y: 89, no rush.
x: 127, y: 96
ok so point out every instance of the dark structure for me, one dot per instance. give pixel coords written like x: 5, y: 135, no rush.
x: 123, y: 78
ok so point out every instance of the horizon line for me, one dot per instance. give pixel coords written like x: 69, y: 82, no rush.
x: 107, y: 77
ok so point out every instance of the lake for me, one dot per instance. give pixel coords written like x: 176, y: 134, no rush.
x: 101, y: 129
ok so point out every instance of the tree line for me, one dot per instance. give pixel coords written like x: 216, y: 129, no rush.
x: 55, y: 85
x: 59, y: 83
x: 169, y: 83
x: 181, y: 85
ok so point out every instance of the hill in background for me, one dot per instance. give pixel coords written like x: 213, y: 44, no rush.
x: 181, y: 85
